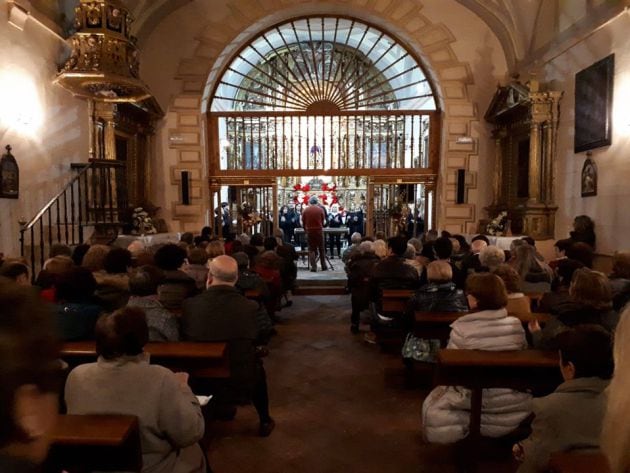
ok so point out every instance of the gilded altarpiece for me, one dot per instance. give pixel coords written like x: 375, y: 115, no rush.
x: 525, y: 120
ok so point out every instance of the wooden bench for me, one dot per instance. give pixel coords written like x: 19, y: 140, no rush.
x: 395, y: 300
x: 437, y: 325
x: 254, y: 294
x: 81, y: 443
x: 477, y: 370
x: 204, y: 360
x: 577, y: 462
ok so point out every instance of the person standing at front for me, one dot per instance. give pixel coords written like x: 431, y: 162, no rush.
x: 313, y: 220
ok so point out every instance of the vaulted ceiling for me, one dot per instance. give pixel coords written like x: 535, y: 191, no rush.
x: 512, y: 21
x: 516, y: 23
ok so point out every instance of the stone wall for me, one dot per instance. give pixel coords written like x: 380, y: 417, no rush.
x: 461, y: 55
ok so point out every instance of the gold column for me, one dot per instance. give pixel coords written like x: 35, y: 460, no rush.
x: 534, y: 162
x: 554, y: 112
x: 106, y: 112
x: 91, y: 130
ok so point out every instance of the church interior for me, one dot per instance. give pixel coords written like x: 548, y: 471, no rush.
x: 149, y: 147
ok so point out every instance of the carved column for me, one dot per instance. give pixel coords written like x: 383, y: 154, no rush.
x: 552, y: 129
x: 497, y: 186
x: 106, y: 112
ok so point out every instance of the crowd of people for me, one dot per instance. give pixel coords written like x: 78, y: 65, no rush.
x: 123, y: 298
x: 487, y: 284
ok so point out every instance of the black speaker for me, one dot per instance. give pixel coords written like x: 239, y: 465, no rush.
x: 186, y: 187
x: 461, y: 186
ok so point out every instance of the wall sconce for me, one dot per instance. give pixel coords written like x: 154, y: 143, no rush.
x: 9, y: 176
x: 21, y: 108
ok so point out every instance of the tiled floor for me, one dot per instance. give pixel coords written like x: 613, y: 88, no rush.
x: 340, y: 405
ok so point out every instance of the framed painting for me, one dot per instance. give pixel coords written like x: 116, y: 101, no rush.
x: 593, y: 105
x: 589, y: 178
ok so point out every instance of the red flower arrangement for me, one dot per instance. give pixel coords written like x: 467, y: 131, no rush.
x: 297, y: 187
x: 306, y: 188
x: 305, y: 199
x: 324, y: 187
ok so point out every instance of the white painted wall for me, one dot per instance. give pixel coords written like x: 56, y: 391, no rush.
x: 609, y: 208
x: 27, y: 67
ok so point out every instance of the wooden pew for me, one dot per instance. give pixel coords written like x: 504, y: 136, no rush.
x: 395, y: 300
x: 254, y: 294
x: 204, y: 360
x: 81, y: 443
x: 577, y: 462
x: 476, y: 370
x: 437, y: 325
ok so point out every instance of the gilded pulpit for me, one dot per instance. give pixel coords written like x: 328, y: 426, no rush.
x: 525, y: 120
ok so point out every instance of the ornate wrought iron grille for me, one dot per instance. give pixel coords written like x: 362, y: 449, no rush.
x: 323, y: 63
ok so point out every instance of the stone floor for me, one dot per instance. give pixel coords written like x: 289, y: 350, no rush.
x: 340, y: 405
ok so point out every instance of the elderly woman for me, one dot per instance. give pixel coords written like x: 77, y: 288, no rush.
x: 30, y: 378
x: 143, y: 287
x: 439, y: 295
x: 123, y: 382
x: 491, y: 257
x: 535, y: 275
x: 380, y: 249
x: 590, y: 302
x: 112, y: 288
x: 518, y: 303
x: 446, y: 411
x: 410, y: 259
x: 620, y: 279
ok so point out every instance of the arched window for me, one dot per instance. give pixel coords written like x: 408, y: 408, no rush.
x: 323, y: 63
x: 324, y: 103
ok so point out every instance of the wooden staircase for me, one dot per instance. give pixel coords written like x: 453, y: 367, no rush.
x: 95, y: 199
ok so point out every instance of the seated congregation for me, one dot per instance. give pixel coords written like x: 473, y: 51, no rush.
x: 117, y: 300
x: 456, y: 297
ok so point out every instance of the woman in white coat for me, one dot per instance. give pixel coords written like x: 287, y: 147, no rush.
x: 446, y: 411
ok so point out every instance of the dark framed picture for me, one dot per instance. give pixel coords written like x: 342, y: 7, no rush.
x: 589, y: 178
x: 593, y: 105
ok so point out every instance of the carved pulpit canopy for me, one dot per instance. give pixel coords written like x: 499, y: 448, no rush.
x: 104, y: 63
x: 509, y: 102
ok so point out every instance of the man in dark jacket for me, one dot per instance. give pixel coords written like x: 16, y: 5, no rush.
x: 221, y: 313
x: 392, y: 273
x: 359, y: 269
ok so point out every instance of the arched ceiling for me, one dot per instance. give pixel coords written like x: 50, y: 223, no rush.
x: 512, y: 21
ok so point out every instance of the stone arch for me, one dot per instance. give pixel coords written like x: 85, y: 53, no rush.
x: 431, y: 42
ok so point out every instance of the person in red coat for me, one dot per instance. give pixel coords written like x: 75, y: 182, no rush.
x: 313, y: 220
